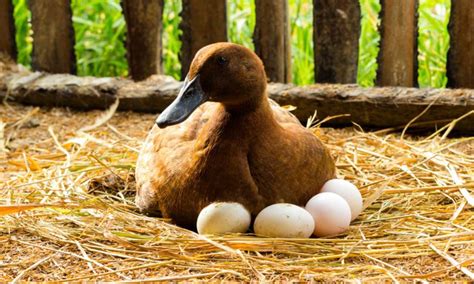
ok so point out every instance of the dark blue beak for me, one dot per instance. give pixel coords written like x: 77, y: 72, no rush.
x: 190, y: 97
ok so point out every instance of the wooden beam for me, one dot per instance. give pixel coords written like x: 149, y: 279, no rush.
x: 144, y: 30
x: 7, y: 29
x: 271, y: 38
x: 369, y: 107
x: 203, y: 22
x: 461, y: 52
x: 336, y: 40
x: 397, y: 58
x: 53, y: 36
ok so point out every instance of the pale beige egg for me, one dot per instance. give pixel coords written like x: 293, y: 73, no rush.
x: 223, y: 218
x: 284, y: 220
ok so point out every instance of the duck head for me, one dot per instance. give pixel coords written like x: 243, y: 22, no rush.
x: 227, y: 73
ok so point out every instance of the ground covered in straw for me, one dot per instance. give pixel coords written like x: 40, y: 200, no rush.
x: 418, y: 224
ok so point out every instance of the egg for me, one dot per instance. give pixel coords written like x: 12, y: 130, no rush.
x: 348, y: 191
x: 331, y: 213
x: 283, y: 220
x: 222, y: 218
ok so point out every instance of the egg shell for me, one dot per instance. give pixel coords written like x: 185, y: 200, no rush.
x: 222, y: 218
x: 348, y: 191
x: 331, y: 213
x: 284, y: 220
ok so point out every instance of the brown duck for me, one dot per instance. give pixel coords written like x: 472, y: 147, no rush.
x: 222, y: 139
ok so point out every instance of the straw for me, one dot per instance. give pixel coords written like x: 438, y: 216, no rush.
x: 67, y: 179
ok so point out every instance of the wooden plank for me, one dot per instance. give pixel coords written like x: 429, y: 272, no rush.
x: 7, y: 29
x: 144, y: 29
x: 271, y: 38
x: 203, y: 22
x: 336, y: 40
x: 53, y: 36
x: 461, y: 52
x: 397, y: 58
x: 369, y: 107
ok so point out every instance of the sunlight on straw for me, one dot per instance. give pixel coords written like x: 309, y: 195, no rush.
x: 453, y: 261
x: 412, y: 189
x: 103, y: 118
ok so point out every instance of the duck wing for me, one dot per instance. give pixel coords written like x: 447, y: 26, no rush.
x: 282, y: 115
x: 166, y: 153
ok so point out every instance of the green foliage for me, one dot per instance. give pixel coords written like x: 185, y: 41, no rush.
x: 368, y: 42
x: 433, y: 42
x: 24, y: 41
x: 171, y: 42
x: 302, y: 55
x: 100, y: 35
x: 241, y: 21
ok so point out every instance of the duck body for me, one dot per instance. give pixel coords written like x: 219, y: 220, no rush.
x: 254, y: 153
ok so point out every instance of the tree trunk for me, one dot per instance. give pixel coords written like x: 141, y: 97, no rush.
x: 336, y: 40
x: 144, y: 29
x: 461, y: 52
x: 271, y: 38
x: 203, y: 22
x: 7, y: 29
x: 398, y: 54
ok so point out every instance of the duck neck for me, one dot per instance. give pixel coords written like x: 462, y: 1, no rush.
x: 253, y: 115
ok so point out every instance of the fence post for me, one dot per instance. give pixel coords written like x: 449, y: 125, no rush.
x: 144, y: 29
x: 460, y: 65
x: 397, y: 60
x: 203, y: 22
x: 7, y: 29
x: 271, y: 38
x: 336, y: 30
x: 53, y: 36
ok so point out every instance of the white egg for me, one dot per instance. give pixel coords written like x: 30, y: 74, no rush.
x: 283, y: 220
x: 331, y: 213
x: 222, y: 218
x: 348, y: 191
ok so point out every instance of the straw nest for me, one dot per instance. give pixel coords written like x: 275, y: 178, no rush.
x: 77, y: 168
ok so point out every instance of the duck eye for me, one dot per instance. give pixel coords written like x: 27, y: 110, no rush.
x: 221, y: 60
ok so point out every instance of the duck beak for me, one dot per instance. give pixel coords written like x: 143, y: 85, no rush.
x: 190, y: 97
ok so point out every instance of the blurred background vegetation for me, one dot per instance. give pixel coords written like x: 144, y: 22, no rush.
x: 100, y: 34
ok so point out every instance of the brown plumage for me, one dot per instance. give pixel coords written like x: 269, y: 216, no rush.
x: 240, y: 146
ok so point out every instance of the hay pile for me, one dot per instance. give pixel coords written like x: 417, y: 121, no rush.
x: 418, y: 224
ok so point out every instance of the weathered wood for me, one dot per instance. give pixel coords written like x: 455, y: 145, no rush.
x: 203, y: 22
x: 144, y: 29
x: 379, y: 107
x: 53, y: 36
x: 61, y: 90
x: 271, y: 38
x: 369, y: 107
x: 461, y: 52
x: 398, y: 54
x: 336, y: 40
x: 7, y: 29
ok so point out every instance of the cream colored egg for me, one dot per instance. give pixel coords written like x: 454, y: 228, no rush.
x: 284, y: 220
x: 348, y: 191
x: 331, y: 213
x: 222, y: 218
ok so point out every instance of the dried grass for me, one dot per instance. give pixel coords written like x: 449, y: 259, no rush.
x: 418, y: 223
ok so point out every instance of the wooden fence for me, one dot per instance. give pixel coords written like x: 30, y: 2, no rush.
x: 336, y: 38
